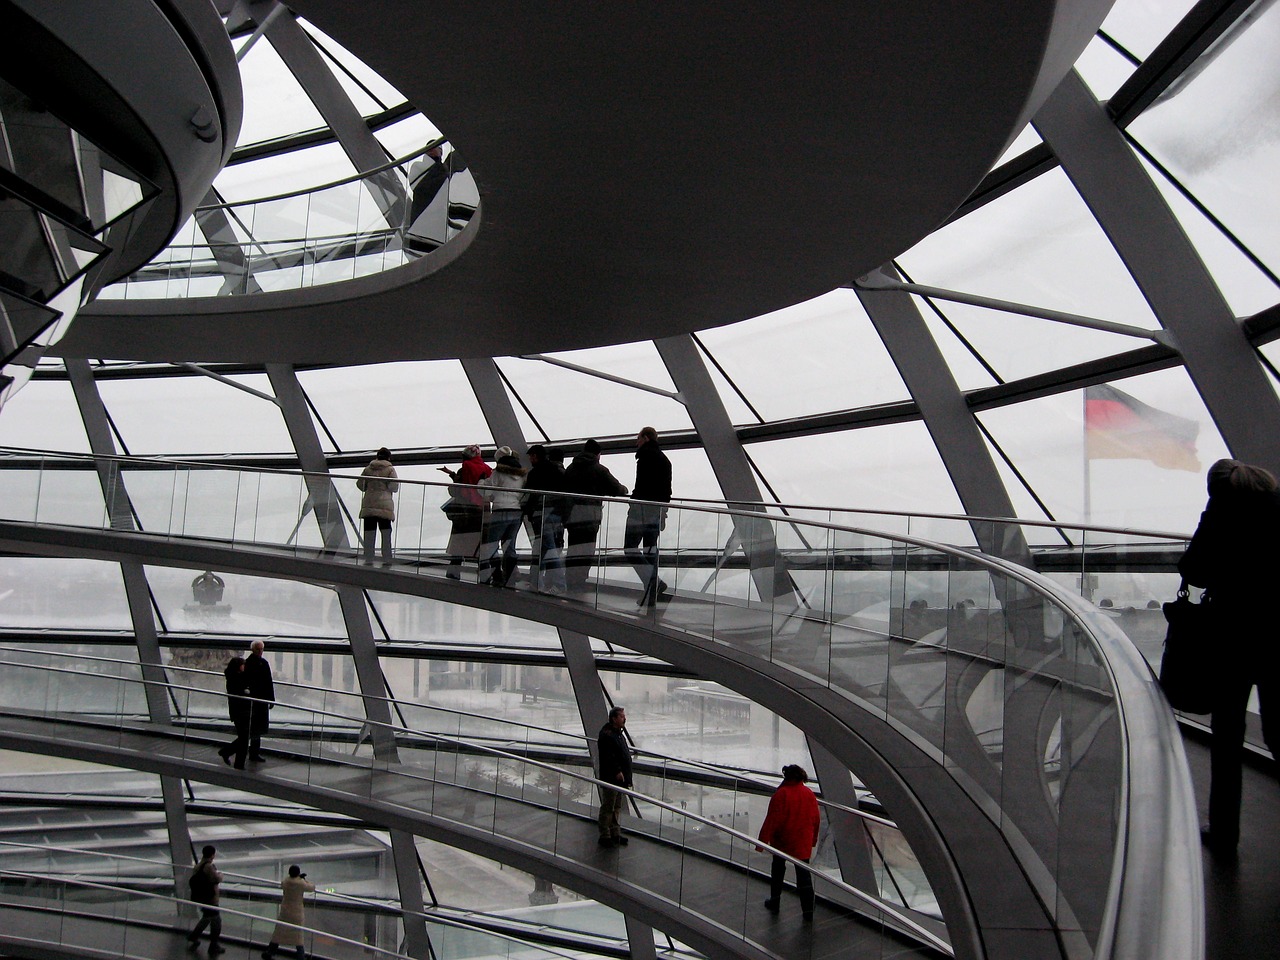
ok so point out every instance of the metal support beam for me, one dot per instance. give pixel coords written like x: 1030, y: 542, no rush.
x: 853, y: 851
x: 640, y: 939
x: 878, y: 280
x: 495, y: 403
x: 322, y: 497
x: 138, y: 596
x: 950, y: 422
x: 357, y: 140
x: 1164, y: 263
x: 728, y: 462
x: 593, y: 708
x: 364, y: 653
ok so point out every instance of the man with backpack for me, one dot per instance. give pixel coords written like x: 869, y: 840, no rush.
x: 204, y: 882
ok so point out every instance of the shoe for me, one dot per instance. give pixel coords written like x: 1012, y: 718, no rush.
x: 239, y: 766
x: 607, y: 842
x: 193, y: 944
x: 226, y: 757
x: 807, y: 917
x: 452, y: 576
x: 771, y: 905
x: 268, y: 955
x: 214, y: 949
x: 621, y: 841
x: 658, y: 596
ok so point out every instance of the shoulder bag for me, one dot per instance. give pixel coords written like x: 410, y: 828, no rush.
x: 1188, y: 667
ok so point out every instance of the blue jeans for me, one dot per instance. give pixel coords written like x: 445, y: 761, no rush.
x: 499, y: 537
x: 640, y: 542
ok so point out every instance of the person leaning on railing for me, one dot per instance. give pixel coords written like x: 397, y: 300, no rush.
x: 1233, y: 556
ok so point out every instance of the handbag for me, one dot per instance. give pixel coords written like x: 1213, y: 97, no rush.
x: 1188, y: 666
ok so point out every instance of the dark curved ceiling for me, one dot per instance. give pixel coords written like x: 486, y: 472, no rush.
x: 647, y: 170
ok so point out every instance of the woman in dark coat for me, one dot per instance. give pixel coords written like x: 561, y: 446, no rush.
x: 1233, y: 556
x: 238, y: 708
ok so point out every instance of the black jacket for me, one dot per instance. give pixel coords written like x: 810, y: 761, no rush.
x: 549, y: 476
x: 257, y: 674
x: 653, y: 474
x: 587, y: 476
x: 237, y: 687
x: 1233, y: 551
x: 615, y: 756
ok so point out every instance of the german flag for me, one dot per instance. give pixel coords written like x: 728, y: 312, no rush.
x: 1120, y: 427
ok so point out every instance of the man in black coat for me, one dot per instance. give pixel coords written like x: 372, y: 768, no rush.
x: 545, y: 514
x: 646, y: 520
x: 615, y: 767
x: 587, y: 477
x: 257, y: 674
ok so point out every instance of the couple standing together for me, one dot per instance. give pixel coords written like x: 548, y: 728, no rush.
x: 250, y: 697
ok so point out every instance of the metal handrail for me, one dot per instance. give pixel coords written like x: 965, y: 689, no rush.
x: 1112, y: 647
x: 182, y: 901
x: 266, y: 886
x: 736, y: 773
x: 750, y: 507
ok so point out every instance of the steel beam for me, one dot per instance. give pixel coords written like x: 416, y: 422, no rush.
x: 728, y: 462
x: 364, y: 653
x: 950, y: 422
x: 138, y: 596
x: 495, y: 403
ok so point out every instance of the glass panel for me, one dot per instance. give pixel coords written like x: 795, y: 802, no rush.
x: 194, y: 415
x: 287, y: 110
x: 826, y: 339
x: 391, y: 397
x: 1139, y: 25
x: 1038, y: 245
x: 555, y: 395
x: 888, y: 468
x: 1216, y: 134
x: 255, y: 606
x: 1247, y: 288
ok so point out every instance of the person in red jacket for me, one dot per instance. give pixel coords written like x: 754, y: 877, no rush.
x: 791, y: 826
x: 465, y: 508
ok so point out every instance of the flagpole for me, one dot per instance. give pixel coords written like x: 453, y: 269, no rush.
x: 1085, y: 588
x: 1088, y: 491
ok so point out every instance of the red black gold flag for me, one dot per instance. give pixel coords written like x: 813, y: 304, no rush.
x: 1120, y: 427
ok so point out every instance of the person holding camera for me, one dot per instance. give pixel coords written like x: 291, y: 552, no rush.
x: 292, y: 915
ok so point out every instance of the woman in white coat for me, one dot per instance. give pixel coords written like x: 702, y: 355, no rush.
x: 295, y: 886
x: 378, y: 505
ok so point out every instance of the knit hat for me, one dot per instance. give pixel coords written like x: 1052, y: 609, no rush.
x: 502, y: 452
x: 472, y: 451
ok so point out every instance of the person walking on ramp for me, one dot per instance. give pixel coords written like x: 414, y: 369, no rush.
x: 791, y: 826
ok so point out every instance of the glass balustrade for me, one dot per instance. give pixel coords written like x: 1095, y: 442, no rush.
x: 42, y: 874
x: 471, y: 786
x: 729, y: 796
x: 990, y: 670
x: 353, y: 228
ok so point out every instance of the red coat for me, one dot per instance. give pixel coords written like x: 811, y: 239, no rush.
x: 792, y: 822
x: 472, y: 472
